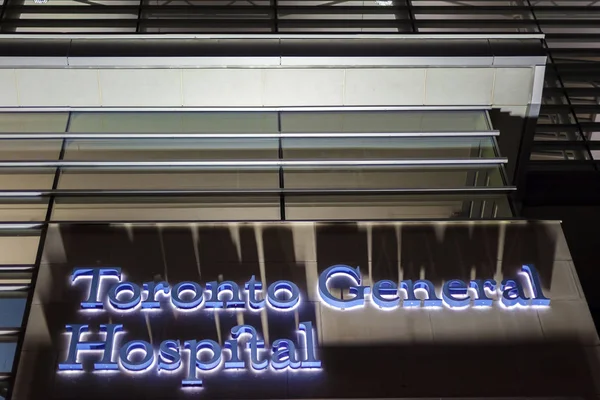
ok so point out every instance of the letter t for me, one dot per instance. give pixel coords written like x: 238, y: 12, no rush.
x: 96, y: 274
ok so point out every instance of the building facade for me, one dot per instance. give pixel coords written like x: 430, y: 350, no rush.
x: 291, y: 200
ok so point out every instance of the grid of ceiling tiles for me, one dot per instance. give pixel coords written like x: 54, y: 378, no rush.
x: 567, y: 132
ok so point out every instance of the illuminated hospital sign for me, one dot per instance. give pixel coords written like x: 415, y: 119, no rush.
x: 205, y: 355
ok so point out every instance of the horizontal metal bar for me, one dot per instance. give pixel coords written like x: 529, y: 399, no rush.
x: 230, y: 21
x: 283, y: 23
x: 8, y: 194
x: 244, y: 109
x: 18, y: 226
x: 16, y: 268
x: 117, y: 62
x: 281, y: 36
x: 5, y: 333
x: 8, y: 287
x: 166, y: 9
x: 252, y: 163
x: 191, y: 135
x: 466, y: 220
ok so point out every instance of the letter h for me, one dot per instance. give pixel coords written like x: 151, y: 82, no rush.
x: 76, y: 345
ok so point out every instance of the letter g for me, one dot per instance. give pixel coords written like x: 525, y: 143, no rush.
x: 343, y: 270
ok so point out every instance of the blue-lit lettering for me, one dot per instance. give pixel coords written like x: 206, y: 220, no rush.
x: 512, y: 293
x: 76, y: 345
x: 189, y: 304
x: 124, y: 287
x: 153, y: 289
x: 168, y: 355
x: 310, y: 361
x: 284, y: 355
x: 132, y: 347
x: 285, y: 295
x: 96, y: 275
x: 224, y: 287
x: 253, y: 344
x: 385, y: 294
x: 234, y: 361
x: 411, y: 299
x: 194, y: 348
x: 274, y: 290
x: 206, y: 356
x: 452, y: 289
x: 536, y: 286
x: 480, y: 286
x: 343, y: 271
x: 253, y: 287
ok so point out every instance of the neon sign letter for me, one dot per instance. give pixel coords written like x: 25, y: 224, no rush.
x: 76, y: 345
x: 453, y: 288
x: 96, y: 274
x: 423, y: 284
x: 217, y: 288
x: 358, y: 291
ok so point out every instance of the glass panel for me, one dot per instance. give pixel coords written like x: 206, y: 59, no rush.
x: 30, y: 209
x: 30, y: 149
x: 388, y: 148
x: 23, y: 209
x: 169, y: 179
x: 188, y: 149
x: 12, y: 309
x: 382, y: 207
x: 26, y: 178
x: 379, y: 178
x: 33, y: 122
x: 169, y: 209
x: 18, y: 250
x: 384, y: 121
x: 209, y: 122
x: 7, y: 355
x: 27, y: 208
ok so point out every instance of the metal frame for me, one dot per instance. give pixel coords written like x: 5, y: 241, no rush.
x: 312, y: 164
x: 64, y: 193
x: 272, y: 17
x: 192, y: 135
x: 242, y: 109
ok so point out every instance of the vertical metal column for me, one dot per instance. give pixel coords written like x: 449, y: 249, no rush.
x: 139, y: 17
x: 281, y: 180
